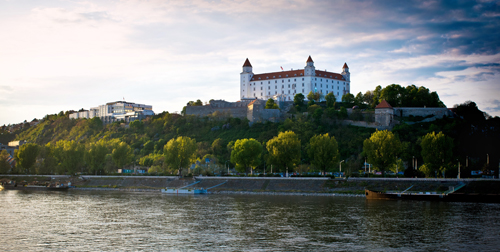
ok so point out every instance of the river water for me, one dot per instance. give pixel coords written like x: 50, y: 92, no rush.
x: 103, y: 220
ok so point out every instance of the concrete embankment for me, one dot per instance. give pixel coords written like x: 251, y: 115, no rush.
x: 276, y: 185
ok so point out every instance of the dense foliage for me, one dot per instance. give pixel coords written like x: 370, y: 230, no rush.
x: 89, y: 146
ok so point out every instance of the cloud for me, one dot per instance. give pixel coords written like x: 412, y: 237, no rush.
x: 495, y: 106
x: 75, y: 54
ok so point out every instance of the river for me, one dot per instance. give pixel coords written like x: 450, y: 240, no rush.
x: 97, y: 220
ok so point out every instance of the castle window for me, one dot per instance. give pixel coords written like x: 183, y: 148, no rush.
x: 302, y: 79
x: 288, y: 85
x: 282, y: 86
x: 302, y: 90
x: 283, y: 92
x: 288, y: 80
x: 282, y: 81
x: 326, y: 86
x: 315, y: 79
x: 301, y: 74
x: 302, y: 84
x: 260, y: 88
x: 268, y: 82
x: 337, y: 88
x: 267, y: 77
x: 337, y: 82
x: 275, y: 81
x: 274, y: 76
x: 295, y: 75
x: 260, y: 82
x: 294, y: 79
x: 253, y: 89
x: 276, y: 87
x: 321, y: 85
x: 315, y: 84
x: 288, y: 91
x: 269, y: 93
x: 254, y: 95
x: 335, y: 77
x: 260, y: 94
x: 275, y: 92
x: 337, y: 93
x: 287, y: 75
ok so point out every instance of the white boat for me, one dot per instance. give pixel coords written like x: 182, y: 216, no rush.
x: 184, y: 191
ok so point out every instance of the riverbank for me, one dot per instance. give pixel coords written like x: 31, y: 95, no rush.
x: 266, y: 185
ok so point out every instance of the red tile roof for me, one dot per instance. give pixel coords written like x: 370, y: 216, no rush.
x: 295, y: 73
x: 345, y: 66
x: 383, y: 104
x: 252, y: 102
x: 247, y: 63
x: 310, y: 59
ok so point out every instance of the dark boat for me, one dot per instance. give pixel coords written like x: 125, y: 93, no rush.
x: 60, y: 187
x: 447, y: 197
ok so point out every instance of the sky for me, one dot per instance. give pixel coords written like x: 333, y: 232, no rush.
x: 58, y: 55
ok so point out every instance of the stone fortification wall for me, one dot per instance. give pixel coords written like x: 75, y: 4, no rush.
x: 256, y: 112
x: 232, y: 109
x: 437, y: 112
x: 373, y: 125
x: 384, y: 116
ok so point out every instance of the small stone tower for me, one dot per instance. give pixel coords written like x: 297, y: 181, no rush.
x: 345, y: 72
x: 309, y: 70
x: 245, y: 77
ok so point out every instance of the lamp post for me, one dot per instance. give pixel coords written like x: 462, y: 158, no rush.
x: 227, y: 167
x: 458, y: 176
x: 340, y: 167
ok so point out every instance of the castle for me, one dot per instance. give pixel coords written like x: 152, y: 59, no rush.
x: 285, y: 85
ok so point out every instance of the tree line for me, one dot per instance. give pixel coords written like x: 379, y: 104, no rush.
x: 60, y: 140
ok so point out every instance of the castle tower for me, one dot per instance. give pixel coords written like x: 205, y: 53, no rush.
x: 309, y: 70
x: 245, y: 77
x: 345, y: 72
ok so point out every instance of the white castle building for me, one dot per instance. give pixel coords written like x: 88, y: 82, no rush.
x: 285, y: 85
x: 115, y: 111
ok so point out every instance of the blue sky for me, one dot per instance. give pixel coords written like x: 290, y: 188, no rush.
x: 63, y: 55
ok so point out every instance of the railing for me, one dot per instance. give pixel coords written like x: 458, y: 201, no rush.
x: 423, y: 179
x: 271, y: 178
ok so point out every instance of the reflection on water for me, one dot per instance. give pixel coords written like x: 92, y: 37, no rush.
x: 90, y: 220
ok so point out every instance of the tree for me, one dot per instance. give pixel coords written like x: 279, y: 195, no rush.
x: 95, y: 157
x: 246, y: 154
x: 122, y: 155
x: 298, y: 100
x: 348, y: 100
x: 284, y: 151
x: 381, y: 149
x: 437, y: 150
x: 330, y: 100
x: 314, y: 96
x: 271, y: 105
x: 359, y: 99
x: 180, y: 152
x: 47, y: 162
x: 368, y: 97
x: 69, y: 156
x: 4, y: 165
x: 198, y: 103
x: 26, y: 156
x: 219, y: 150
x: 323, y: 151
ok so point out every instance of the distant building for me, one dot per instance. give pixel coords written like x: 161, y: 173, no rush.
x: 285, y: 85
x: 16, y: 143
x: 116, y: 111
x: 8, y: 148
